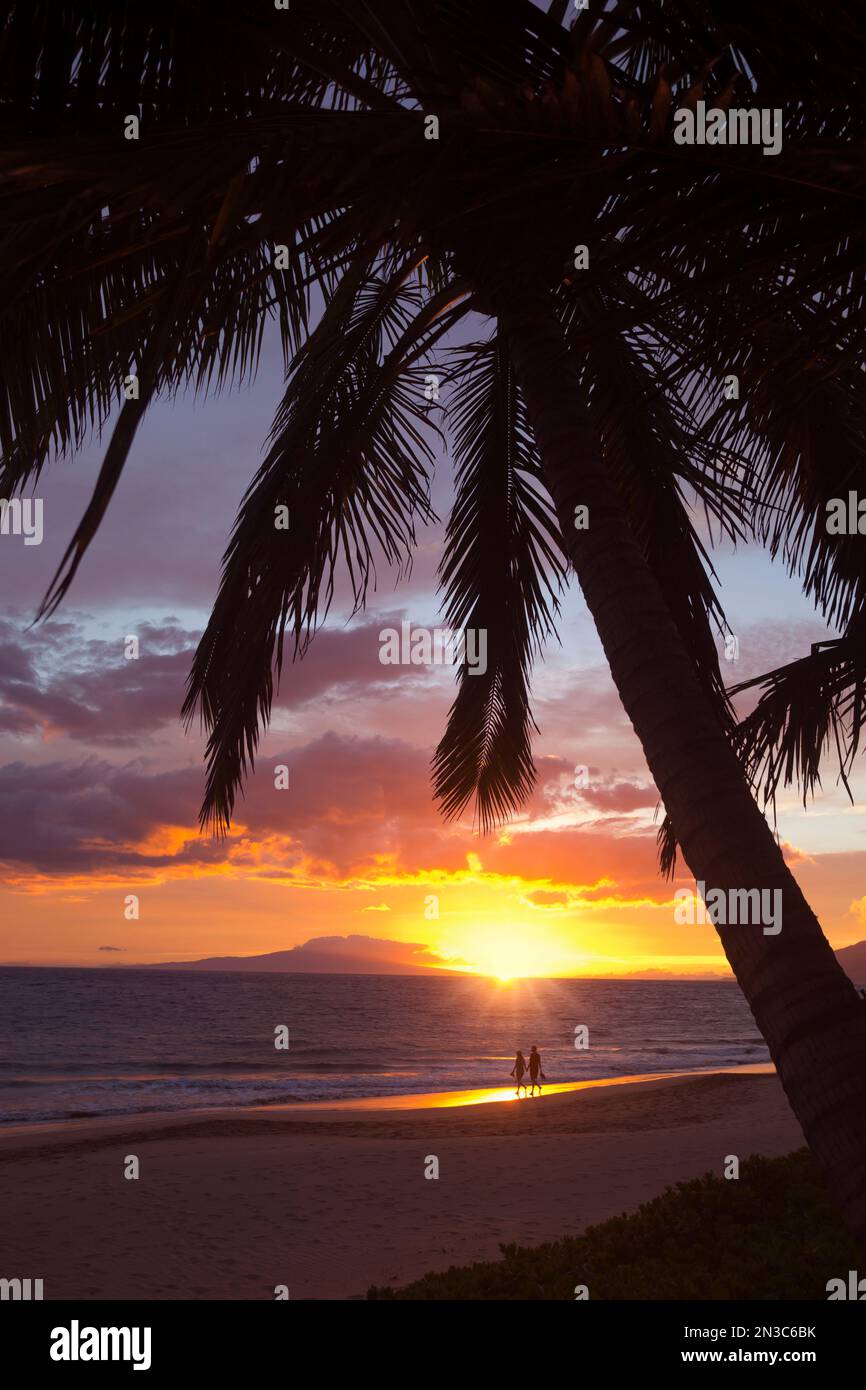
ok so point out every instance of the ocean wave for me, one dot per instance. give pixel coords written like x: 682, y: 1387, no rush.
x: 103, y: 1043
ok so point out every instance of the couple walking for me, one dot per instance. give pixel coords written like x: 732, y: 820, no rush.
x: 533, y: 1067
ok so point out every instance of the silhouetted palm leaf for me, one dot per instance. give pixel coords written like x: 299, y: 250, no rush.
x: 347, y: 458
x: 807, y: 708
x: 500, y: 571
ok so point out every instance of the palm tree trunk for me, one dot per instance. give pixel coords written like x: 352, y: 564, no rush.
x: 804, y: 1004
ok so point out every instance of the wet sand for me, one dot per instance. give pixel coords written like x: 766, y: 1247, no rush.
x: 328, y: 1200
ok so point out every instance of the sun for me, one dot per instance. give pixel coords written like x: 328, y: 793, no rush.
x: 507, y: 960
x: 506, y: 956
x: 506, y: 952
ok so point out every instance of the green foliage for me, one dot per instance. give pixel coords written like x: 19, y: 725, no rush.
x: 771, y: 1234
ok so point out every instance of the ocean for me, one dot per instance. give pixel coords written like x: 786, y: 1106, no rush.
x: 76, y: 1043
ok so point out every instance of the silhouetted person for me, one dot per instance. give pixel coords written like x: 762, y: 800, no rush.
x: 518, y: 1071
x: 535, y: 1070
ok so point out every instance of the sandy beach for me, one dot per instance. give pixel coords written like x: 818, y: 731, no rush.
x: 329, y: 1200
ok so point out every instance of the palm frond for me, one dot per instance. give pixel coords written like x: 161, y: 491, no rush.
x: 79, y: 301
x: 500, y: 573
x: 91, y: 62
x: 805, y: 418
x: 666, y: 848
x: 806, y: 709
x: 348, y: 458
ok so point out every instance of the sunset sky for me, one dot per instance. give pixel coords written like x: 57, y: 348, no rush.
x: 99, y: 785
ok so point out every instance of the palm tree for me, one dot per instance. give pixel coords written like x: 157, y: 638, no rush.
x: 405, y: 165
